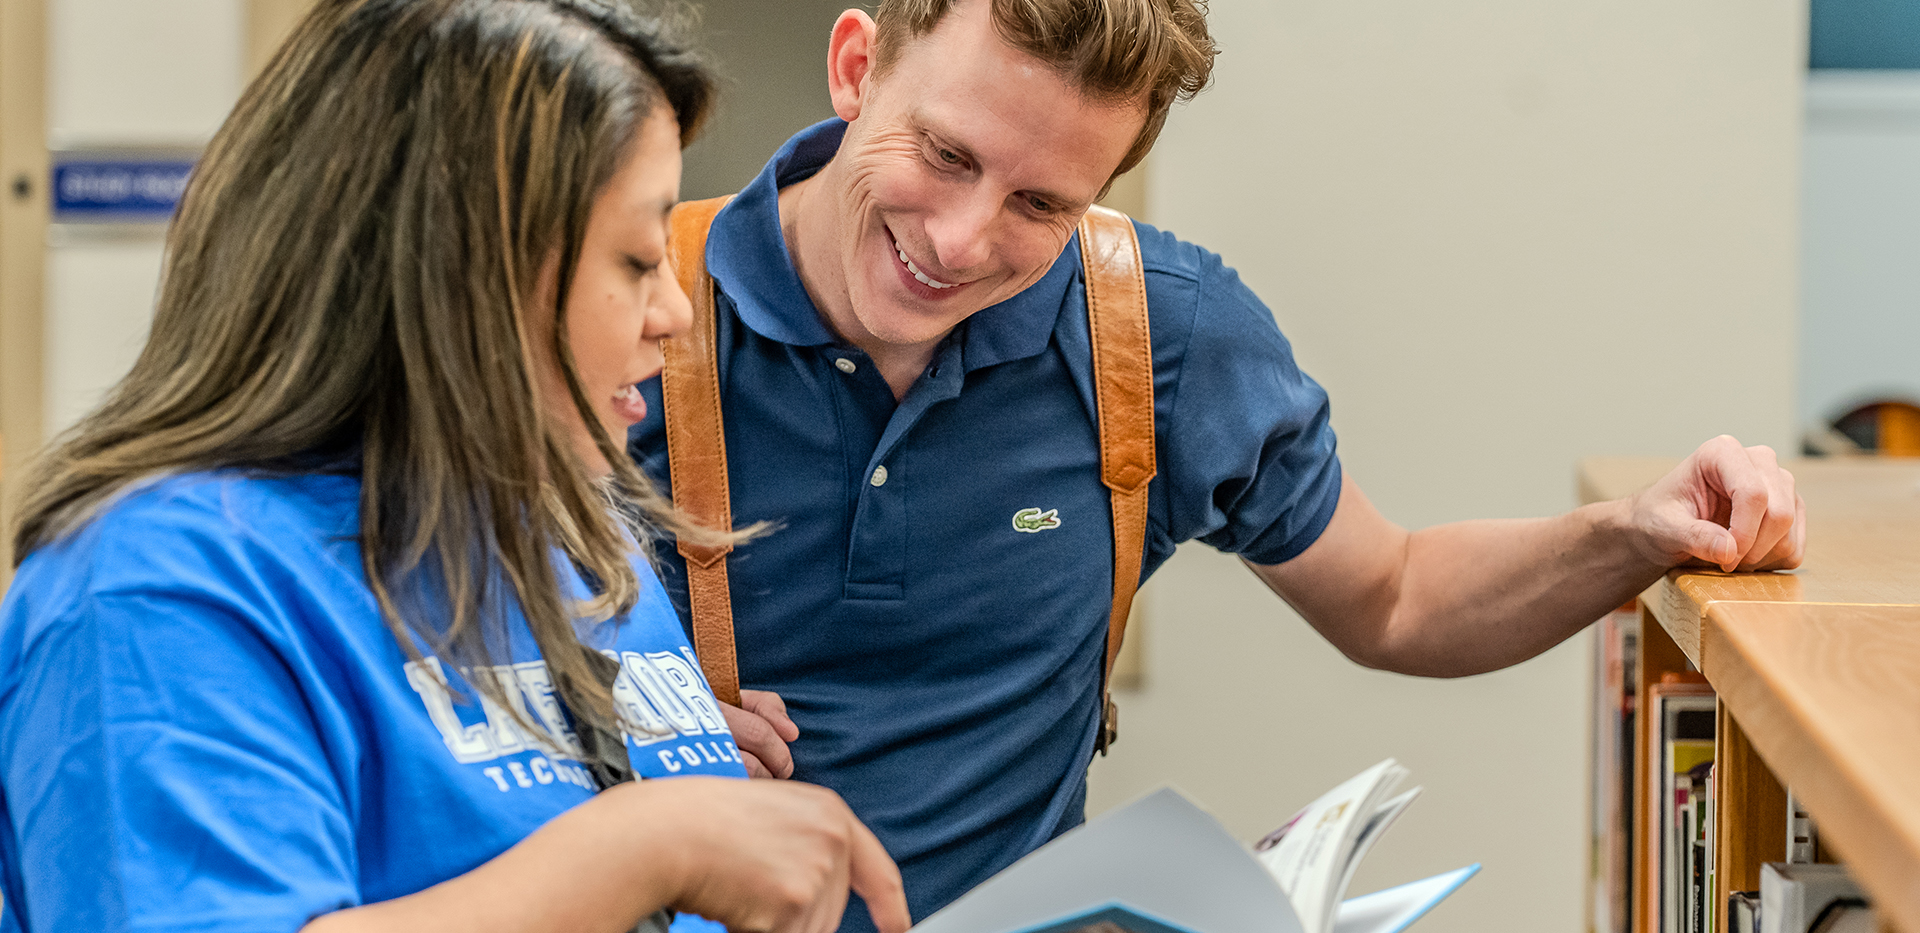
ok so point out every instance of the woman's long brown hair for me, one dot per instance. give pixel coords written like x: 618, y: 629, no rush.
x: 349, y: 282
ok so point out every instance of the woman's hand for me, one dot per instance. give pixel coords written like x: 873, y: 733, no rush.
x: 758, y: 856
x: 781, y: 857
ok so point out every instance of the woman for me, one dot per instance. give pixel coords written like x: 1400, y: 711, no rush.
x: 334, y: 615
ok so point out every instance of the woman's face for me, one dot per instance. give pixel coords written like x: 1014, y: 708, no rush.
x: 624, y: 296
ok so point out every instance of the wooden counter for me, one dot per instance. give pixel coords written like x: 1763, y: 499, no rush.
x: 1863, y: 541
x: 1817, y: 672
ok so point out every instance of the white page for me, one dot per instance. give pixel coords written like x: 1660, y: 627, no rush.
x: 1370, y: 834
x: 1311, y: 857
x: 1395, y: 909
x: 1160, y: 855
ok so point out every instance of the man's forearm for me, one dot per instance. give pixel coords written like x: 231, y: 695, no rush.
x: 1477, y: 596
x: 1481, y: 595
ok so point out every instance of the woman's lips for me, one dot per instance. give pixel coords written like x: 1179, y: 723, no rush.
x: 629, y: 405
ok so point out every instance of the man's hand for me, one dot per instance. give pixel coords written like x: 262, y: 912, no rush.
x: 1729, y: 506
x: 761, y: 731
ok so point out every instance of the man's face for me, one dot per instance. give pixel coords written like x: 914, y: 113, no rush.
x: 966, y: 168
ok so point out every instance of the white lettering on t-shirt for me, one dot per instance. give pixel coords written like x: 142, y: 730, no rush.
x: 660, y: 696
x: 537, y: 685
x: 686, y: 681
x: 467, y: 743
x: 660, y: 691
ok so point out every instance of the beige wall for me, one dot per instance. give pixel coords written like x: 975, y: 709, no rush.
x: 772, y: 56
x: 1505, y: 234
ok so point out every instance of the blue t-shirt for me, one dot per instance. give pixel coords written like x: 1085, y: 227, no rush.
x: 934, y: 605
x: 207, y: 725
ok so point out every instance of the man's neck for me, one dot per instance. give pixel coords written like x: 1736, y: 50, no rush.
x: 812, y: 230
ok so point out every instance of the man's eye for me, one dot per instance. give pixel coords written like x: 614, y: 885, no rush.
x: 950, y: 157
x: 1040, y: 204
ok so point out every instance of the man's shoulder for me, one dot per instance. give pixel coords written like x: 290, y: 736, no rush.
x: 1162, y: 253
x: 1194, y: 297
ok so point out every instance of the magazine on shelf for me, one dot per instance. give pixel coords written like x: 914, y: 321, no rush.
x: 1682, y: 719
x: 1162, y: 865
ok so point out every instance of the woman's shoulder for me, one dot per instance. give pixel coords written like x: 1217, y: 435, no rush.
x: 161, y: 528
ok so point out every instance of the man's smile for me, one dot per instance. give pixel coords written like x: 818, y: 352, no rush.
x: 916, y: 280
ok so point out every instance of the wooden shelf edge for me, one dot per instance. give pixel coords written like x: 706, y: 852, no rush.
x: 1846, y: 811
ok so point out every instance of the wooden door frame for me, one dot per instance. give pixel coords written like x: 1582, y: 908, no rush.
x: 24, y: 204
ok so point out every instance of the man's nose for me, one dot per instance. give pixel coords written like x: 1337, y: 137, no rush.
x: 962, y: 236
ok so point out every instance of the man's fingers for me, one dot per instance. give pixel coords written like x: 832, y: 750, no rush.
x: 754, y: 735
x: 1710, y: 543
x: 1792, y: 546
x: 876, y: 879
x: 768, y: 706
x: 1799, y: 552
x: 755, y: 769
x: 1782, y: 525
x: 1746, y: 490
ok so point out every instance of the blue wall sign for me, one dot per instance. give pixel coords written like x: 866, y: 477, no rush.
x: 93, y: 188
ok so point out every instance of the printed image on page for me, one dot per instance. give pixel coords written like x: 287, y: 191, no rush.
x: 1313, y: 855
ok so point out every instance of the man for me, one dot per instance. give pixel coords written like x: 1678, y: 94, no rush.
x: 904, y: 363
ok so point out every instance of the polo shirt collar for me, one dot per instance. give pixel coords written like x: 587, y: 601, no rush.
x: 747, y: 255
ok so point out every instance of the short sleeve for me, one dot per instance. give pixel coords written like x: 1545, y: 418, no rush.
x: 164, y: 771
x: 1247, y: 448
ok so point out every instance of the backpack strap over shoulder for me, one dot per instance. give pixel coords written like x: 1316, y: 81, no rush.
x: 697, y: 446
x: 1123, y: 393
x: 1123, y: 389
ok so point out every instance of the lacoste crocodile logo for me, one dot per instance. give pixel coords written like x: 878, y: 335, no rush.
x: 1034, y: 521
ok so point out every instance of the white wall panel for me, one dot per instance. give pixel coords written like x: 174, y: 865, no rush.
x: 132, y: 74
x: 99, y: 303
x: 141, y: 72
x: 1860, y: 328
x: 1505, y: 235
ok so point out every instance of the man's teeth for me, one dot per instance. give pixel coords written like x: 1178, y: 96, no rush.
x: 917, y: 274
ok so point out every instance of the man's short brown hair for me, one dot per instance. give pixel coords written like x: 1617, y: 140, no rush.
x: 1119, y: 50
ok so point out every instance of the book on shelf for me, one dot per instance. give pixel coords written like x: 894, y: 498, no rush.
x: 1616, y: 660
x: 1162, y: 865
x: 1807, y: 897
x: 1681, y: 713
x: 1743, y: 912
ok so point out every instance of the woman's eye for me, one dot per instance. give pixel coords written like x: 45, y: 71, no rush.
x: 637, y: 267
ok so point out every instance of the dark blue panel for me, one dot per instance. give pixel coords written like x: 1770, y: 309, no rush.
x: 90, y: 189
x: 1872, y: 34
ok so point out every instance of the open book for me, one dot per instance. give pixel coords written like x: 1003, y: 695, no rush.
x: 1161, y: 865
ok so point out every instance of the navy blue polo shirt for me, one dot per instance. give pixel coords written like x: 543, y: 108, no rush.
x: 942, y: 657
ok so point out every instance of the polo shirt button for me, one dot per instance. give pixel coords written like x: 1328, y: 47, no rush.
x: 847, y: 366
x: 879, y: 477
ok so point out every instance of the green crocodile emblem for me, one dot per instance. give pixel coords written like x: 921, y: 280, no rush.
x: 1034, y: 521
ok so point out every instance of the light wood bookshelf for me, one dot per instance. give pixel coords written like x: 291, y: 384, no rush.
x: 1817, y: 672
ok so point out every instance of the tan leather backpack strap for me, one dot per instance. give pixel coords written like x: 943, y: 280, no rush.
x: 1123, y: 393
x: 697, y: 447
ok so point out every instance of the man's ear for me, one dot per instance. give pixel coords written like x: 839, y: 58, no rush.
x: 850, y: 63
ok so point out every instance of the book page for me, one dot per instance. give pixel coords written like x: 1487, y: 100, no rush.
x: 1376, y: 827
x: 1395, y: 909
x: 1309, y: 856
